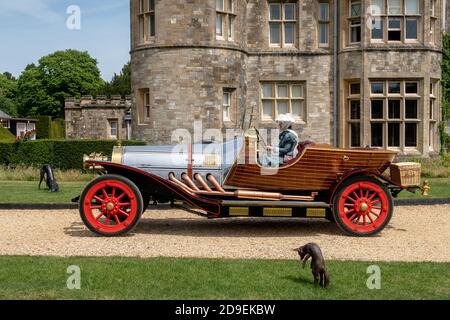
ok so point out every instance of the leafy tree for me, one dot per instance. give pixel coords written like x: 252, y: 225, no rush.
x: 445, y: 139
x: 43, y: 88
x: 120, y: 84
x: 8, y: 91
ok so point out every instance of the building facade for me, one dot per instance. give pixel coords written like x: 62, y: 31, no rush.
x: 353, y: 73
x: 19, y: 127
x: 100, y: 118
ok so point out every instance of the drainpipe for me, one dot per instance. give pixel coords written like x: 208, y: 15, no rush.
x: 335, y: 72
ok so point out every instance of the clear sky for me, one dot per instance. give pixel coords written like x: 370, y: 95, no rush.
x: 30, y: 29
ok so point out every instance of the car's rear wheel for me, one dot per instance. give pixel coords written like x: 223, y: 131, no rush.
x: 111, y: 205
x: 363, y: 206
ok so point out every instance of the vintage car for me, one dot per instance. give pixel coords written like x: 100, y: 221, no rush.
x: 352, y: 187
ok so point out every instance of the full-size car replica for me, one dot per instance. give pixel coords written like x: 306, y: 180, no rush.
x: 352, y: 187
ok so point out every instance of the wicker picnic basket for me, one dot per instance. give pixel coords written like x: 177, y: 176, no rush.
x: 406, y: 173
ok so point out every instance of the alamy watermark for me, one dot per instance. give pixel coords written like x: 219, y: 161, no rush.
x: 73, y: 21
x: 74, y: 279
x: 374, y: 280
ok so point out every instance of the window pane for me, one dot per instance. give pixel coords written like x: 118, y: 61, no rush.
x: 355, y: 88
x: 394, y: 135
x: 289, y: 11
x: 394, y: 6
x: 431, y: 109
x: 377, y: 87
x: 355, y: 110
x: 226, y: 112
x: 395, y: 36
x: 268, y: 90
x: 355, y: 8
x: 395, y: 24
x: 141, y: 28
x: 297, y: 91
x: 275, y: 12
x: 411, y: 28
x: 151, y: 25
x: 219, y: 5
x: 394, y: 109
x: 219, y: 25
x: 151, y: 5
x: 412, y: 6
x: 355, y: 134
x: 410, y: 135
x: 377, y: 109
x: 268, y: 109
x: 230, y: 27
x: 230, y: 6
x: 377, y: 134
x: 275, y: 33
x: 226, y: 99
x: 297, y: 109
x: 411, y: 87
x: 283, y: 107
x: 324, y: 11
x: 289, y: 30
x: 411, y: 109
x: 355, y: 34
x: 394, y: 87
x: 377, y: 28
x: 283, y: 91
x: 323, y: 33
x: 377, y: 6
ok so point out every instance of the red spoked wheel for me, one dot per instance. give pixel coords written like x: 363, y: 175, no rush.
x: 363, y: 206
x: 111, y: 205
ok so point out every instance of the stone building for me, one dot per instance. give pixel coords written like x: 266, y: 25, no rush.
x: 100, y: 118
x: 353, y: 72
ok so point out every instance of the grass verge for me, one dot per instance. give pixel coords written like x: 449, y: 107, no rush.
x: 27, y: 192
x: 167, y: 278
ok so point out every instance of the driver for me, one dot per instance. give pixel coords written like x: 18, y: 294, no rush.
x: 288, y: 141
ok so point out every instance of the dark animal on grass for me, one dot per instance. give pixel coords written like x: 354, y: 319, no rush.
x: 312, y: 250
x: 50, y: 181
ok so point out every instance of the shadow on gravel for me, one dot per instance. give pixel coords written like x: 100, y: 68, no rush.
x: 230, y: 227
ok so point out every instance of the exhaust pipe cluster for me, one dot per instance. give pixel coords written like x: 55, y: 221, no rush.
x: 192, y: 188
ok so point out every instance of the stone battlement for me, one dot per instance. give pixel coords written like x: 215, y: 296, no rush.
x: 116, y: 101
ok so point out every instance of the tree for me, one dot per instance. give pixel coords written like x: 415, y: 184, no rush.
x: 43, y: 88
x: 8, y: 91
x: 445, y: 139
x: 120, y: 84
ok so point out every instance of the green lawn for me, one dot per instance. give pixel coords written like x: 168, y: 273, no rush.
x: 28, y: 192
x: 166, y: 278
x: 440, y: 188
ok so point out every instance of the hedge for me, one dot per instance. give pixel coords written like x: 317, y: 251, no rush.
x: 50, y: 129
x: 61, y: 154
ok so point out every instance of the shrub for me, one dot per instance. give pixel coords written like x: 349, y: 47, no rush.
x: 50, y: 129
x: 60, y: 154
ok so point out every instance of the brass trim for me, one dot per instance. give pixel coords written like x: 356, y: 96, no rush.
x: 277, y: 212
x: 239, y: 211
x: 316, y: 213
x: 117, y: 155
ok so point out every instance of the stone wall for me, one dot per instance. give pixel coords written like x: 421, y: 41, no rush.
x: 186, y: 69
x: 89, y: 118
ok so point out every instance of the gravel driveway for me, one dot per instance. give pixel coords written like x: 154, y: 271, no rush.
x: 414, y: 234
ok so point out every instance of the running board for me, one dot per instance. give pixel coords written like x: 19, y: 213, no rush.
x: 274, y: 204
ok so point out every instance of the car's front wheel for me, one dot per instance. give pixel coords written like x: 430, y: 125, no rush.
x: 111, y: 205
